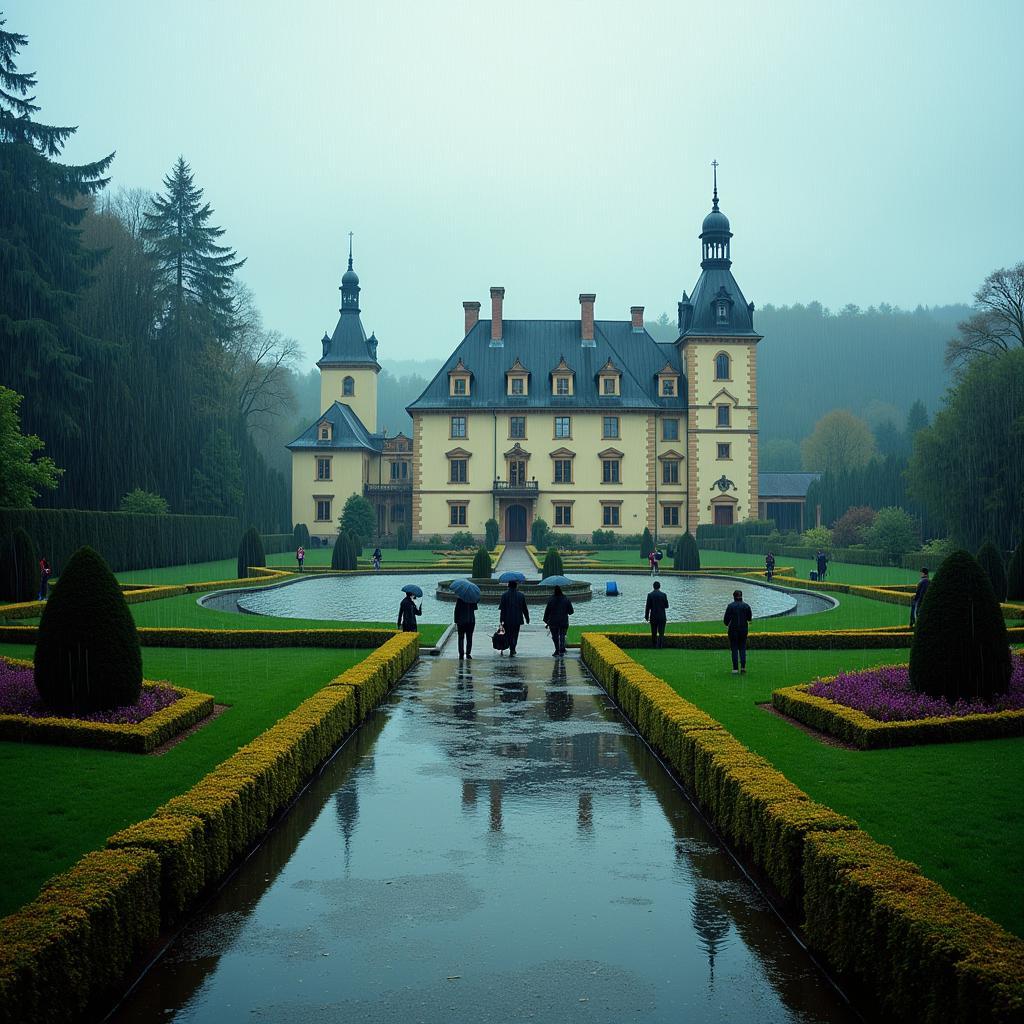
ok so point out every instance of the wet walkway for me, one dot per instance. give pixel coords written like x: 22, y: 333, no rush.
x: 495, y: 844
x: 515, y: 559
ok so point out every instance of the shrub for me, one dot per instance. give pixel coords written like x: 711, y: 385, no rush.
x: 300, y: 536
x: 687, y: 557
x: 144, y: 503
x: 491, y: 533
x: 539, y: 533
x: 849, y: 528
x: 604, y: 539
x: 87, y: 650
x: 1015, y: 575
x: 462, y: 539
x: 19, y: 568
x: 960, y: 649
x: 552, y: 564
x: 990, y: 559
x: 344, y: 556
x: 646, y: 543
x: 894, y: 533
x: 403, y: 538
x: 818, y: 537
x: 359, y: 519
x: 250, y: 552
x: 482, y: 564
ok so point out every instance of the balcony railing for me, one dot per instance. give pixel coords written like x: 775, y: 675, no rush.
x: 522, y: 489
x: 389, y: 488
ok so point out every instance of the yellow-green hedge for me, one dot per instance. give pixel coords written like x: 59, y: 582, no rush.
x: 837, y: 639
x: 175, y: 636
x: 76, y: 939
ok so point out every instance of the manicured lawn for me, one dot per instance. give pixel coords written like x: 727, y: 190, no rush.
x: 954, y: 809
x: 57, y: 803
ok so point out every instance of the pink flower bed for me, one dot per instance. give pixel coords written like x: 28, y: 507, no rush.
x: 885, y: 695
x: 18, y: 696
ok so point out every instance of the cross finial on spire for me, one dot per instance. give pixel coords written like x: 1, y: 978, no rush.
x: 714, y: 201
x: 350, y: 250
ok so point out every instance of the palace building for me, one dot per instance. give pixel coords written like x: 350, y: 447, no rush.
x: 590, y: 424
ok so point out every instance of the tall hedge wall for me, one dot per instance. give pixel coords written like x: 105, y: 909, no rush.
x: 124, y: 539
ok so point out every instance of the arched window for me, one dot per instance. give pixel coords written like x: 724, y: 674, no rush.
x: 722, y: 366
x: 348, y: 387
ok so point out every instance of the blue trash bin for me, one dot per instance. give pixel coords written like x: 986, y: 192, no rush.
x: 611, y: 589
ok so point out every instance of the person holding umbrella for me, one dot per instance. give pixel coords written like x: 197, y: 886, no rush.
x: 512, y: 613
x: 556, y: 616
x: 467, y: 596
x: 407, y: 610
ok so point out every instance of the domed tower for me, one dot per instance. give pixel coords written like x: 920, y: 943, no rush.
x: 718, y: 348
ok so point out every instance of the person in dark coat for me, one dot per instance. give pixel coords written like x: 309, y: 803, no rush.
x: 769, y: 566
x: 915, y: 604
x: 465, y: 623
x: 407, y: 612
x: 656, y: 613
x: 822, y: 560
x: 737, y: 616
x: 556, y: 616
x: 512, y: 613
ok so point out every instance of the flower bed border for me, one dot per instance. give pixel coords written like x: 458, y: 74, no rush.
x: 919, y: 953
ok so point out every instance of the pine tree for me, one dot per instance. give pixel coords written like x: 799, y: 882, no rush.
x: 646, y: 543
x: 687, y: 556
x: 217, y: 480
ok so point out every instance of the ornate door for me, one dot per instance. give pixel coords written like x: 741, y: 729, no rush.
x: 515, y: 523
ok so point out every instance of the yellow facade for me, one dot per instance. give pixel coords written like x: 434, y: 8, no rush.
x: 354, y: 386
x: 347, y: 472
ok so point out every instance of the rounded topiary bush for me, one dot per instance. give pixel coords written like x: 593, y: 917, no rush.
x: 87, y: 651
x: 250, y: 552
x: 300, y: 536
x: 482, y: 564
x: 19, y: 568
x: 687, y: 557
x: 991, y: 560
x: 552, y: 564
x: 1015, y: 575
x: 960, y: 649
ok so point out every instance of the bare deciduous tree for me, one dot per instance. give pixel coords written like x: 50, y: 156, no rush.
x: 998, y: 324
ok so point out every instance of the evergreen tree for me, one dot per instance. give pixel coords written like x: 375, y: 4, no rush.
x: 917, y: 419
x: 552, y: 564
x: 250, y: 552
x: 22, y: 475
x: 646, y: 543
x: 687, y: 557
x: 217, y: 480
x: 1015, y: 575
x: 482, y: 567
x: 491, y: 534
x: 144, y: 503
x: 338, y: 552
x: 19, y: 568
x: 300, y: 536
x: 359, y: 519
x: 991, y: 560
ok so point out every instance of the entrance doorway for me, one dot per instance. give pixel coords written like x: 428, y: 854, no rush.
x: 515, y: 524
x: 723, y: 515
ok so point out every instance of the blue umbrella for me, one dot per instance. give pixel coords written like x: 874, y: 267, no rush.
x: 555, y: 581
x: 467, y: 590
x: 411, y: 588
x: 508, y: 577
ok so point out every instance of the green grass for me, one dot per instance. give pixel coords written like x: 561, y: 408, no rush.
x: 60, y: 802
x: 954, y: 809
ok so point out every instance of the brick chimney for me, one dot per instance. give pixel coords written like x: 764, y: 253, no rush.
x: 497, y: 298
x: 472, y: 314
x: 637, y: 315
x: 587, y: 319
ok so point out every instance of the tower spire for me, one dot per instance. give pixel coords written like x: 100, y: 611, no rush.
x: 350, y: 250
x: 714, y: 200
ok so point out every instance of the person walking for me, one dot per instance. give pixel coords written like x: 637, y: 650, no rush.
x: 653, y: 559
x: 822, y: 565
x: 656, y: 613
x: 915, y: 604
x: 556, y: 617
x: 377, y: 557
x: 407, y: 613
x: 45, y: 572
x: 769, y: 566
x: 737, y: 616
x: 512, y: 613
x: 465, y: 623
x: 300, y: 556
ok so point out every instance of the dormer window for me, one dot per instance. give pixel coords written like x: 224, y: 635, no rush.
x: 324, y: 431
x: 459, y: 386
x: 348, y: 387
x: 562, y: 379
x: 609, y: 377
x: 518, y: 386
x: 608, y: 386
x: 668, y: 381
x: 458, y: 380
x: 561, y: 385
x: 668, y: 388
x: 723, y: 312
x: 517, y: 380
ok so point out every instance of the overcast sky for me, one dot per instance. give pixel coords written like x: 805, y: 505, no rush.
x: 869, y: 152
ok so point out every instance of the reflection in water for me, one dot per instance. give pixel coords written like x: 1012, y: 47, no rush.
x: 431, y: 919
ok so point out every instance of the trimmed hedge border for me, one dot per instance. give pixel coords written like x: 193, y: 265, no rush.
x: 867, y: 733
x: 921, y: 954
x: 79, y: 936
x: 223, y: 639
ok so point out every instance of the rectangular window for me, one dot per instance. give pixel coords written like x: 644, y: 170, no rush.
x: 610, y: 471
x: 561, y: 385
x: 608, y: 386
x: 668, y: 387
x: 725, y: 451
x: 398, y: 513
x: 323, y: 510
x: 670, y: 430
x: 325, y: 433
x: 563, y: 515
x: 518, y: 386
x: 610, y: 515
x: 610, y: 427
x: 457, y: 469
x: 517, y: 427
x: 459, y: 387
x: 458, y: 426
x: 399, y: 471
x: 670, y: 472
x: 323, y: 469
x: 456, y: 515
x: 562, y: 426
x: 563, y: 471
x: 723, y: 416
x: 670, y: 515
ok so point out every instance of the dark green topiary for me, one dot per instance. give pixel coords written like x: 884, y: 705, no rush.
x: 19, y: 568
x: 646, y: 543
x: 482, y: 564
x: 552, y: 564
x: 1015, y: 575
x: 960, y: 649
x: 340, y: 553
x: 300, y: 536
x: 403, y: 538
x: 250, y: 552
x: 687, y: 557
x: 491, y: 534
x: 991, y: 560
x: 87, y: 651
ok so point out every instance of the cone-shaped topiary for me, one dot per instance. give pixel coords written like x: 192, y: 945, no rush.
x: 300, y: 536
x: 19, y: 568
x: 339, y: 555
x: 250, y: 552
x: 991, y: 560
x: 687, y: 557
x: 491, y: 534
x: 402, y: 538
x: 1015, y: 575
x: 482, y: 564
x: 87, y: 650
x: 646, y: 543
x: 960, y: 649
x: 354, y: 550
x: 552, y: 564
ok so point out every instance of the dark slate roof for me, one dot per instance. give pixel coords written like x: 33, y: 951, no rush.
x: 784, y: 485
x: 348, y: 433
x: 349, y: 344
x: 715, y: 282
x: 540, y: 345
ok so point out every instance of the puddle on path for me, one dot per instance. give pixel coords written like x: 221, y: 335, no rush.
x: 494, y: 845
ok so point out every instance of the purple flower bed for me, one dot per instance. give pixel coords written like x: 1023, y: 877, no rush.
x: 18, y: 696
x: 885, y: 695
